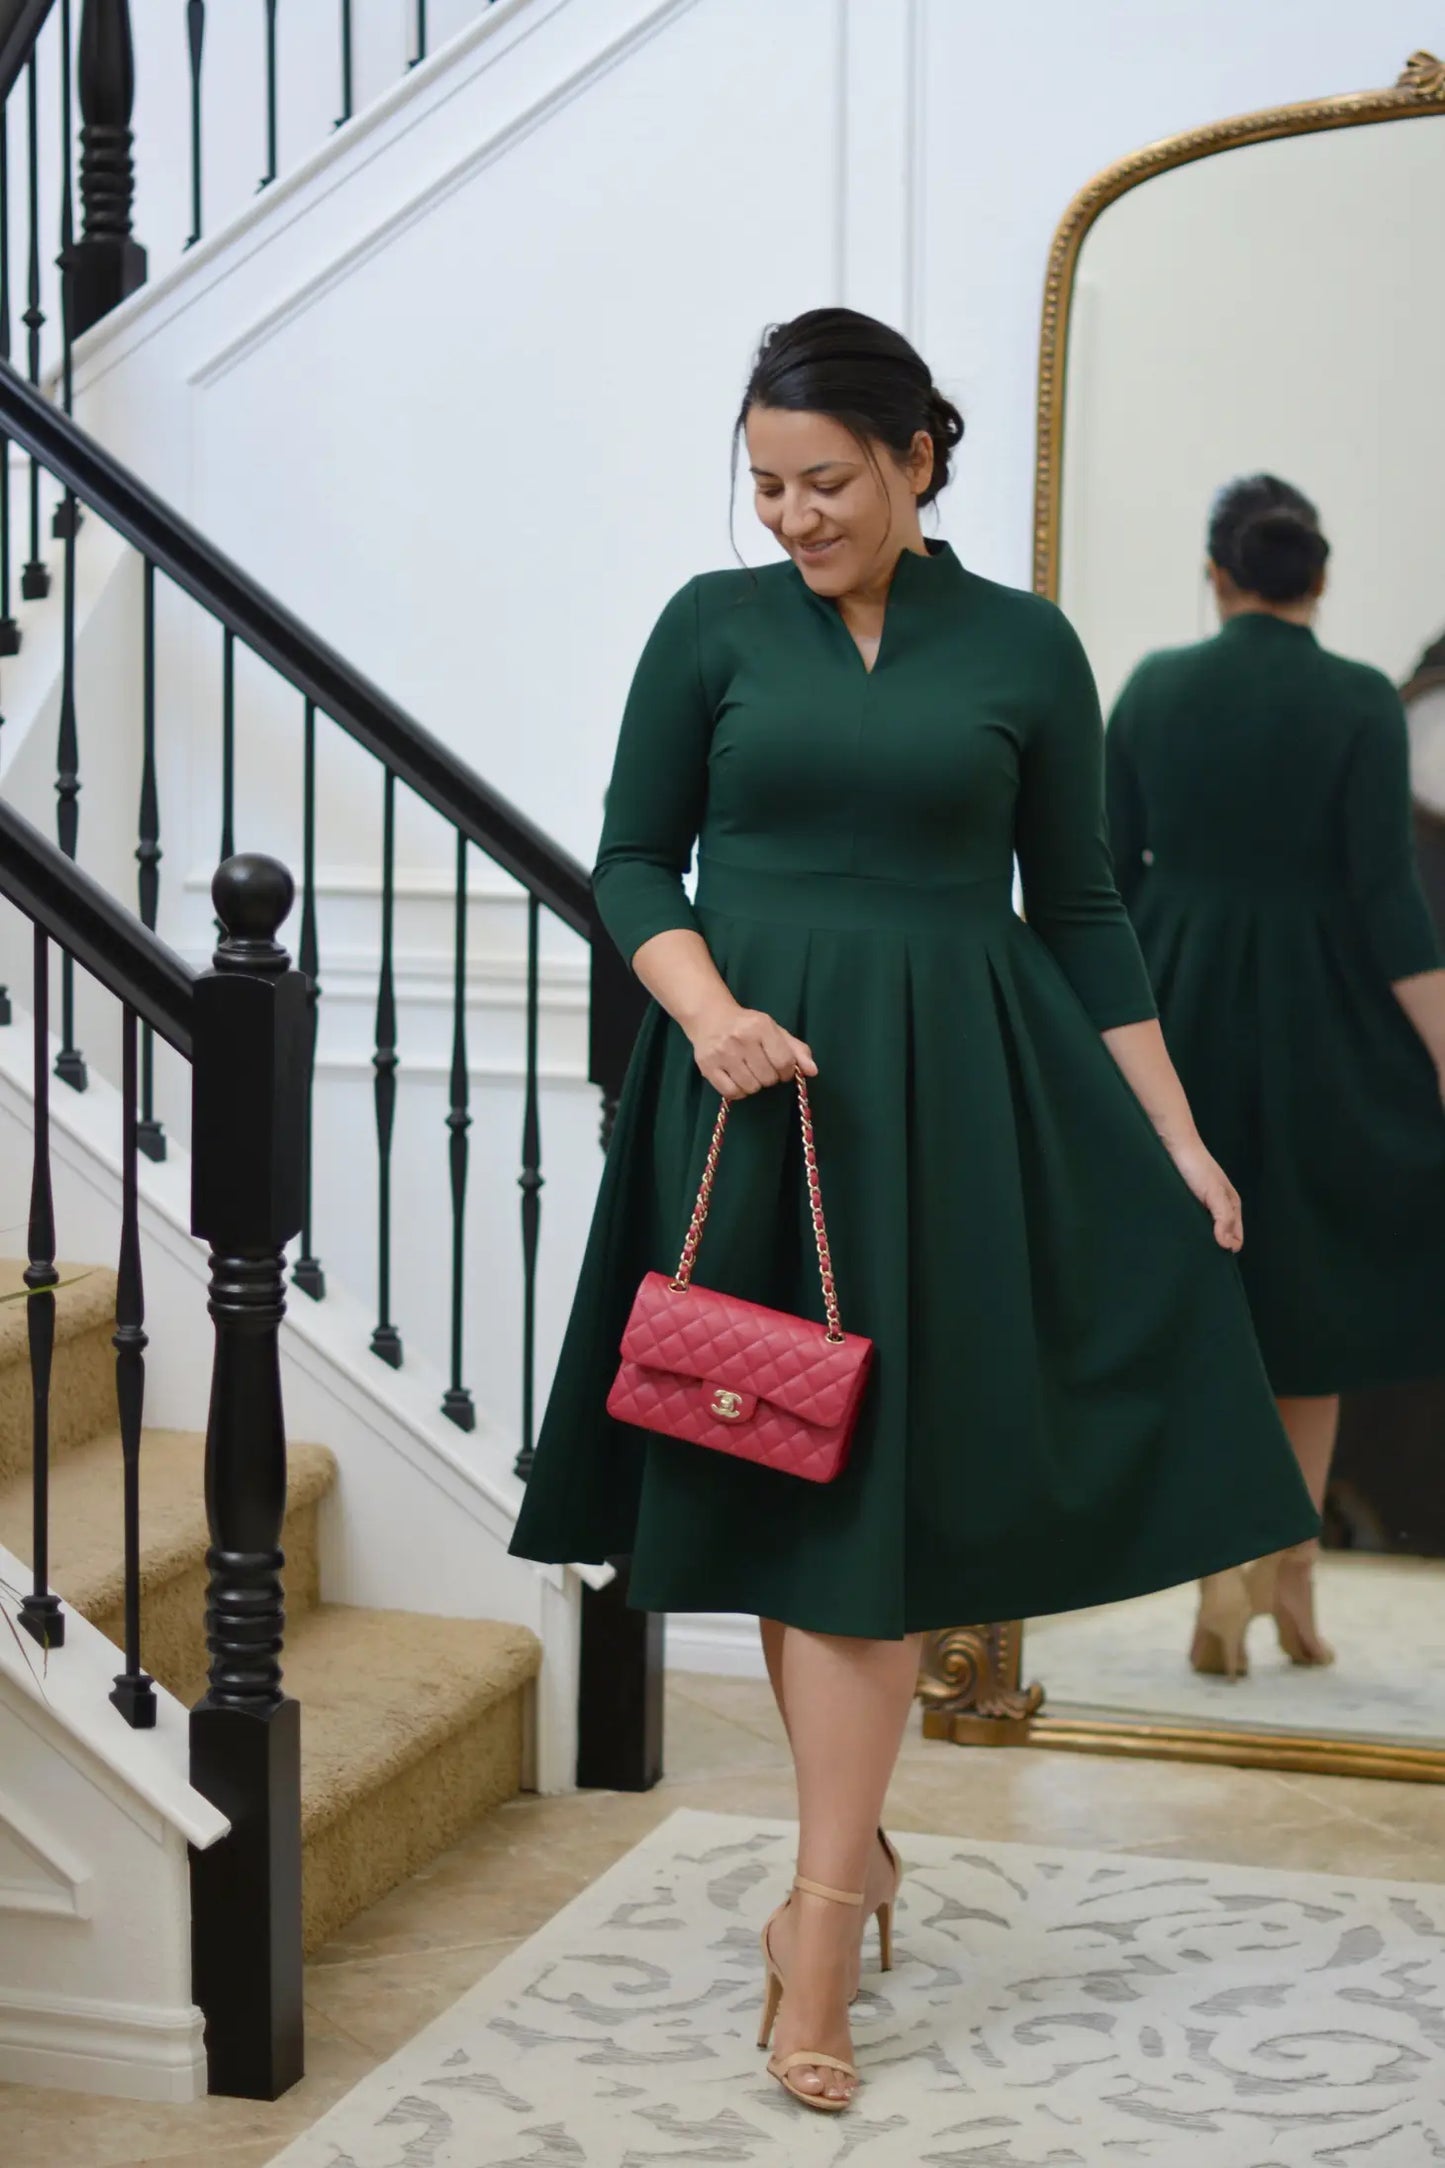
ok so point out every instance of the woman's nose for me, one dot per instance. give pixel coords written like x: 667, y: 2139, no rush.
x: 797, y: 520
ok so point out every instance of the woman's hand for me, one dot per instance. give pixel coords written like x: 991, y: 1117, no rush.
x: 1212, y: 1186
x: 742, y: 1051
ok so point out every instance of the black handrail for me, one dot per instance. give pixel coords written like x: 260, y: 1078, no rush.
x: 17, y: 39
x: 360, y: 708
x: 104, y: 937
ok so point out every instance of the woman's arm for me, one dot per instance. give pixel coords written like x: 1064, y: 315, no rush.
x: 1074, y: 906
x: 1123, y: 794
x: 1422, y: 997
x: 738, y: 1050
x: 655, y: 805
x: 1143, y: 1059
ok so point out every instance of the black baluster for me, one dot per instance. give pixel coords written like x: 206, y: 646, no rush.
x: 9, y: 630
x: 308, y: 1275
x: 271, y: 140
x: 420, y: 54
x: 35, y: 579
x: 196, y: 41
x: 386, y: 1340
x: 457, y: 1401
x: 67, y: 509
x: 530, y: 1183
x: 69, y: 1062
x: 346, y: 82
x: 249, y: 1025
x: 150, y: 1136
x: 228, y: 746
x: 40, y: 1613
x: 133, y: 1693
x: 107, y: 262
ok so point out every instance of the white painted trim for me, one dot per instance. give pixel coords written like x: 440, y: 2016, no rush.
x: 67, y: 1703
x: 723, y: 1643
x: 131, y: 2051
x: 435, y: 190
x: 69, y: 1889
x: 405, y: 107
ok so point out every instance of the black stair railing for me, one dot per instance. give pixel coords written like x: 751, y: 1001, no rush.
x: 241, y: 1026
x: 331, y: 693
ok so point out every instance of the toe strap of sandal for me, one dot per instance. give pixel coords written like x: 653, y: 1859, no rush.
x: 781, y: 2065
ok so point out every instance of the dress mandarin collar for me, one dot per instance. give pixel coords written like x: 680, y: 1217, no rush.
x: 915, y: 577
x: 1257, y: 624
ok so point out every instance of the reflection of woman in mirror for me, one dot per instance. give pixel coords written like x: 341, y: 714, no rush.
x: 1260, y: 814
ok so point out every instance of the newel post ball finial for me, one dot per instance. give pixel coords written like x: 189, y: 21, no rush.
x: 253, y: 896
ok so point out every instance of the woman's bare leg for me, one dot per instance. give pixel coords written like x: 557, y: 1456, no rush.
x: 1312, y: 1424
x: 846, y: 1703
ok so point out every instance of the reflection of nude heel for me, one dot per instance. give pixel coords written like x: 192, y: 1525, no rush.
x: 1224, y: 1614
x: 782, y: 2067
x: 1294, y: 1608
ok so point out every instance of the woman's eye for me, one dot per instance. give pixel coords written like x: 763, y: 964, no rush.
x: 828, y: 489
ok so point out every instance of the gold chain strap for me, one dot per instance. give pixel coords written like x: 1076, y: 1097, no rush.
x: 688, y: 1259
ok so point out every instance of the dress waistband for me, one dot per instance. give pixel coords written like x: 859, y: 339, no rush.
x: 850, y: 902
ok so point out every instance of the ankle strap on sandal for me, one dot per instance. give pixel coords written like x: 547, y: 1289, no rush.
x: 821, y: 1889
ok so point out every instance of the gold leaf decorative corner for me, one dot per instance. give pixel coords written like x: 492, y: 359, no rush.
x: 1424, y: 73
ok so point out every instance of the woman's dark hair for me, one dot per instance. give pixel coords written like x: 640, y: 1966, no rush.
x: 859, y: 372
x: 1266, y: 536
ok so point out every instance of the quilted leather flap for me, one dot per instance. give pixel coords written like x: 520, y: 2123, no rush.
x: 746, y: 1348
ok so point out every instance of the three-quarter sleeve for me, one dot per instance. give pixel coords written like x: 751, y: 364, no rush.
x: 1128, y: 831
x: 1070, y: 898
x: 1379, y: 847
x: 658, y: 789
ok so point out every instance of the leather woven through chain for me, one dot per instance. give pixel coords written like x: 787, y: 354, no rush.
x: 743, y: 1379
x: 815, y: 1205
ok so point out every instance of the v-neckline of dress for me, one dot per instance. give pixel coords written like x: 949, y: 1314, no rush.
x: 909, y: 565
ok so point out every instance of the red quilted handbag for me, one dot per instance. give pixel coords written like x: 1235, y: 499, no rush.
x: 757, y: 1383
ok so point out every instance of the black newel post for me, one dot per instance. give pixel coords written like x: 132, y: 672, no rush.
x: 619, y: 1713
x: 248, y: 1115
x: 107, y: 262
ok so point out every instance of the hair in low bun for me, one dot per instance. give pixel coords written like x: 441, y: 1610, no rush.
x: 858, y: 372
x: 1266, y: 536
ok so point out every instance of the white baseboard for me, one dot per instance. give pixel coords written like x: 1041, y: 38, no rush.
x: 722, y: 1642
x: 130, y: 2052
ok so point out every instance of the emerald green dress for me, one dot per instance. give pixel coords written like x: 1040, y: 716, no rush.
x: 1067, y: 1404
x: 1259, y: 808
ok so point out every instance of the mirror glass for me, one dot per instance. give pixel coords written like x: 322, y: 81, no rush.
x: 1277, y: 307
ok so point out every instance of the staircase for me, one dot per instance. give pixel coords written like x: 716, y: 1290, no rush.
x: 412, y: 1726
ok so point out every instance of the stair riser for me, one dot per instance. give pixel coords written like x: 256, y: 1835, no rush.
x: 82, y: 1399
x: 173, y: 1611
x: 407, y: 1823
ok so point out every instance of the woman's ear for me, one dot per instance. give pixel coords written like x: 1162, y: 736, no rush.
x: 919, y: 464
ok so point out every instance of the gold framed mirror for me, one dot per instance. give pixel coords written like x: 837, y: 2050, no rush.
x: 1267, y: 303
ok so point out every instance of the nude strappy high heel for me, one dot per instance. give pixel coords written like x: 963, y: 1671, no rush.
x: 1225, y: 1610
x: 781, y: 2067
x: 1293, y: 1604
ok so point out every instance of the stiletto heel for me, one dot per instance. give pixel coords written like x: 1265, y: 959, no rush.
x: 782, y: 2067
x: 1224, y: 1614
x: 1294, y: 1608
x: 885, y: 1910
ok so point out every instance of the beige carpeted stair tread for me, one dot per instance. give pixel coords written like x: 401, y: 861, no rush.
x: 381, y: 1690
x: 89, y: 1301
x: 86, y: 1535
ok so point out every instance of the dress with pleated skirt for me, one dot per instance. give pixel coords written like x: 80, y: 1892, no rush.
x: 1259, y: 808
x: 1067, y: 1404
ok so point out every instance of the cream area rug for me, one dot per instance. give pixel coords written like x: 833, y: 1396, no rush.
x: 1049, y: 2009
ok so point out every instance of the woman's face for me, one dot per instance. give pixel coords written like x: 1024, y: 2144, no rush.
x: 841, y: 516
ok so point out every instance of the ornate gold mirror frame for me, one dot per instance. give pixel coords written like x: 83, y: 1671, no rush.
x: 971, y: 1680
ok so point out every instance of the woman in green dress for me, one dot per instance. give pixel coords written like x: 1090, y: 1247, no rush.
x: 1067, y: 1404
x: 1259, y: 809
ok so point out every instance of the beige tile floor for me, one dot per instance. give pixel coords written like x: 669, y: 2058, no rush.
x: 397, y: 1966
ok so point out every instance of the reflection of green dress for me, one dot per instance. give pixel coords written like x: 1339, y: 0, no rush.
x: 1260, y: 813
x: 1068, y: 1404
